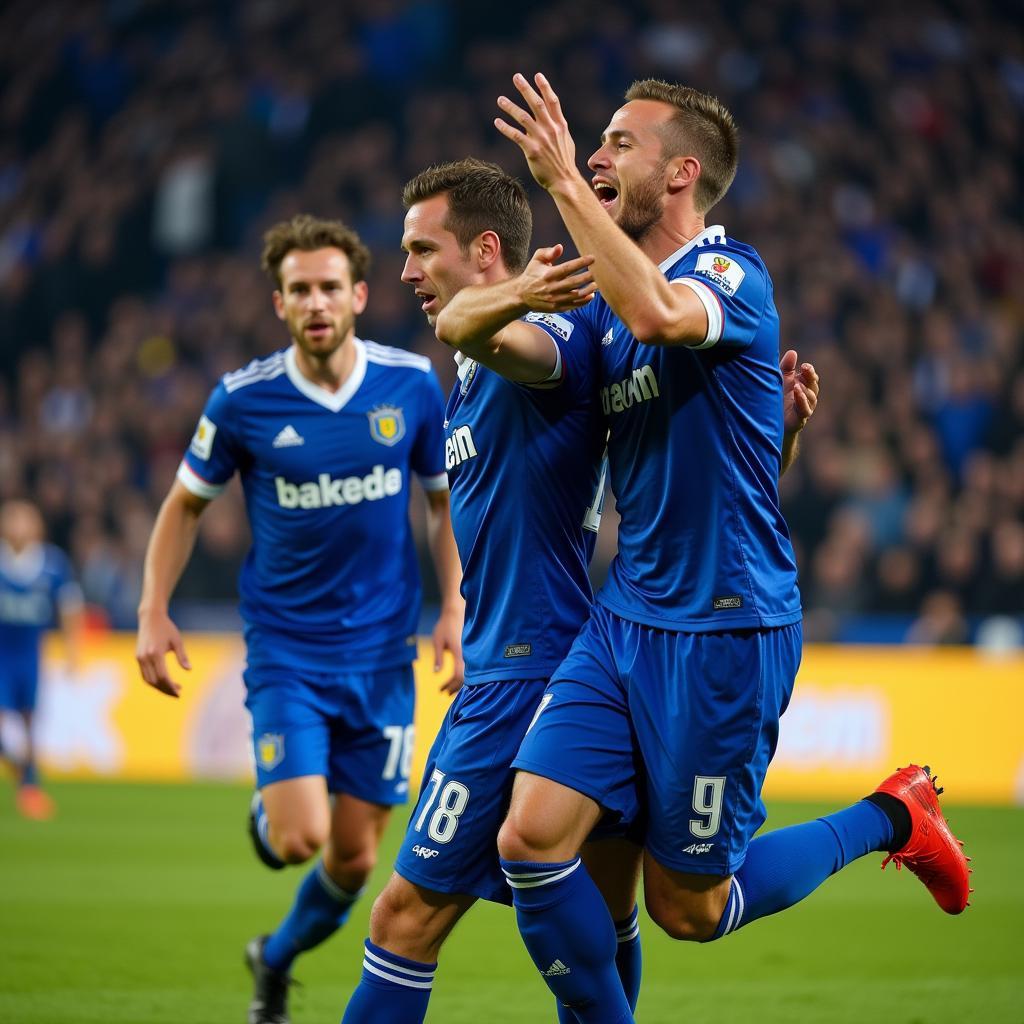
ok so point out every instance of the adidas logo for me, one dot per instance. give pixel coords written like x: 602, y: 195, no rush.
x: 289, y: 437
x: 609, y: 337
x: 557, y: 969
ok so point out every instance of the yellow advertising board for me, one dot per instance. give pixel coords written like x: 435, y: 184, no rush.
x: 857, y: 713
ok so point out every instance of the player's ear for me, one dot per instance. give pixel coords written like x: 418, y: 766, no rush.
x: 360, y: 295
x: 278, y: 304
x: 681, y: 172
x: 487, y: 248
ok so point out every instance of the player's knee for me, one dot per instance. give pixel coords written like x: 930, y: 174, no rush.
x: 686, y: 922
x: 297, y: 845
x: 517, y: 840
x: 351, y: 868
x: 403, y: 923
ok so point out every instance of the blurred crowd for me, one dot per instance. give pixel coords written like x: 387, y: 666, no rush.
x: 145, y: 146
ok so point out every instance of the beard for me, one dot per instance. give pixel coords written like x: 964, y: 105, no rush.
x: 641, y: 207
x: 341, y: 326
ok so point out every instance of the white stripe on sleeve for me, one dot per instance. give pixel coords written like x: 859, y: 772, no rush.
x: 196, y: 484
x: 712, y: 306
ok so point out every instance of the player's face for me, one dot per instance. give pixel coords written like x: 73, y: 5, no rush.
x: 435, y: 264
x: 629, y: 168
x: 318, y: 300
x: 20, y: 524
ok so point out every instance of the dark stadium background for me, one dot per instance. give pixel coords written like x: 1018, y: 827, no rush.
x: 146, y: 145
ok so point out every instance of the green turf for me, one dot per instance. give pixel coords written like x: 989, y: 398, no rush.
x: 133, y: 906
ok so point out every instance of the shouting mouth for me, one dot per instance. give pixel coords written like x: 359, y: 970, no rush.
x: 606, y: 194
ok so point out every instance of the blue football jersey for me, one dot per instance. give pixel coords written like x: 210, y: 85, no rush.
x: 695, y: 441
x: 35, y: 585
x: 331, y: 579
x: 524, y: 467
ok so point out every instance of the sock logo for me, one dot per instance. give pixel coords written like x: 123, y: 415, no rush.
x: 556, y: 970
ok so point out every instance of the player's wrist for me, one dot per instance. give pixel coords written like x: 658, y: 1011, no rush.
x: 570, y: 187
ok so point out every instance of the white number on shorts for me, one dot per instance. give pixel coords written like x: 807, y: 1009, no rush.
x: 454, y: 797
x: 400, y: 752
x: 708, y: 791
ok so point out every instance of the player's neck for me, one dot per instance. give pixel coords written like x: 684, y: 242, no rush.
x: 671, y: 234
x: 331, y: 371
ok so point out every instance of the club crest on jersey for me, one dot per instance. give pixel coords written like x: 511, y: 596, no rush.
x: 720, y: 270
x: 270, y: 750
x: 387, y: 424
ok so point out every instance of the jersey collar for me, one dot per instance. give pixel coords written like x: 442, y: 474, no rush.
x: 333, y: 400
x: 709, y: 236
x: 23, y: 567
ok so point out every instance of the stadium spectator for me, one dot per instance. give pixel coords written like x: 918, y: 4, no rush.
x: 881, y: 183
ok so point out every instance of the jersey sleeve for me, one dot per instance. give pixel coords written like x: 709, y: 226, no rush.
x: 575, y: 336
x: 213, y: 454
x: 428, y: 448
x: 734, y: 293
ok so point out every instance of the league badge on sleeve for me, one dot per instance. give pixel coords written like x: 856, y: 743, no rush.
x: 721, y: 270
x: 387, y: 424
x: 202, y: 441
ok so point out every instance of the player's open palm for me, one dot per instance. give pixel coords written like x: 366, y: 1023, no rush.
x: 547, y: 286
x: 158, y: 636
x: 544, y: 138
x: 799, y: 392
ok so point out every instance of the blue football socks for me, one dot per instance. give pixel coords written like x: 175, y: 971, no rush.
x: 784, y: 866
x: 628, y: 962
x: 262, y: 823
x: 28, y: 773
x: 569, y: 934
x: 392, y: 990
x: 319, y: 910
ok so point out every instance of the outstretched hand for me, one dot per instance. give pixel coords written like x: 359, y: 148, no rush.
x: 544, y: 139
x: 800, y: 387
x: 547, y: 286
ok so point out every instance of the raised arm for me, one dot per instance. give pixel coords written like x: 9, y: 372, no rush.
x: 655, y: 311
x: 170, y: 546
x: 483, y: 321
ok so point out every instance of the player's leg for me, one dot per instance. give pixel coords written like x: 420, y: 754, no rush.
x: 292, y: 819
x: 327, y: 893
x: 290, y: 814
x: 408, y: 927
x: 562, y: 916
x: 298, y: 816
x: 704, y: 877
x: 576, y: 763
x: 448, y: 857
x: 615, y: 864
x: 33, y: 801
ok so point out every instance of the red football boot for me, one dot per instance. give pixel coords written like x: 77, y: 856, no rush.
x: 34, y: 803
x: 932, y: 853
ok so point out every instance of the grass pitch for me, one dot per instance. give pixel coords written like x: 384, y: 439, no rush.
x: 133, y: 907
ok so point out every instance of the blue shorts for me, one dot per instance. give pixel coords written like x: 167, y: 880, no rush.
x: 353, y: 728
x: 19, y: 683
x: 671, y: 730
x: 451, y: 843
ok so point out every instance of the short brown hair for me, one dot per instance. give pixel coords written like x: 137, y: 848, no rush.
x: 481, y: 197
x: 703, y: 126
x: 307, y: 234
